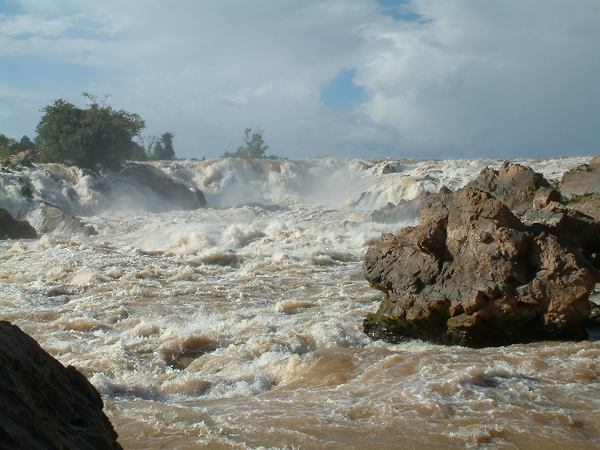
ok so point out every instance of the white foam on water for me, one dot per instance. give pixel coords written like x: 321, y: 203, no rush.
x: 252, y: 316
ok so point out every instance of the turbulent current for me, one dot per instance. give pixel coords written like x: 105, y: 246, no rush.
x: 240, y: 325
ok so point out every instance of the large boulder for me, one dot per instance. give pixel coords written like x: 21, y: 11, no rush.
x: 588, y: 204
x: 11, y: 228
x: 402, y: 211
x: 45, y: 405
x: 574, y: 229
x: 581, y: 180
x: 48, y: 218
x: 471, y: 273
x: 175, y: 195
x: 517, y: 186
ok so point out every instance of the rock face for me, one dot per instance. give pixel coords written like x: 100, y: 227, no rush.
x: 403, y: 210
x: 583, y: 179
x: 15, y: 229
x: 49, y: 218
x: 471, y: 273
x: 588, y: 204
x: 175, y: 195
x: 44, y: 404
x: 517, y: 186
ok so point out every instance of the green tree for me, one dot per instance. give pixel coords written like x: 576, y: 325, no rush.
x: 24, y: 144
x: 5, y: 141
x: 5, y: 144
x: 254, y: 146
x: 161, y: 148
x: 98, y: 136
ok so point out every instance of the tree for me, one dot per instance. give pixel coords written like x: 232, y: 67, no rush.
x: 5, y: 144
x: 98, y: 136
x: 254, y: 146
x: 5, y: 141
x: 24, y: 144
x: 161, y: 148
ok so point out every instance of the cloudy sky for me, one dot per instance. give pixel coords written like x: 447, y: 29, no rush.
x: 367, y: 78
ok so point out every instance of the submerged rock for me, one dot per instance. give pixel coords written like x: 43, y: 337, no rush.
x: 11, y: 228
x: 44, y: 404
x: 472, y: 273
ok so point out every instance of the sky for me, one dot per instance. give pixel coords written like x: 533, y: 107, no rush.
x: 351, y: 78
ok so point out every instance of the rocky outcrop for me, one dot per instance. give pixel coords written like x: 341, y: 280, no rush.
x: 401, y: 211
x: 175, y: 195
x: 45, y: 405
x: 472, y: 273
x: 581, y: 180
x: 47, y: 218
x: 517, y: 186
x: 574, y: 229
x: 11, y: 228
x: 588, y: 204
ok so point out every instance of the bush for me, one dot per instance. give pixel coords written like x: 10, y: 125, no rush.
x: 98, y: 136
x: 254, y: 147
x: 161, y: 148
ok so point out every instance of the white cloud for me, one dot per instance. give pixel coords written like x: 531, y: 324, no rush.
x: 474, y: 78
x: 489, y: 77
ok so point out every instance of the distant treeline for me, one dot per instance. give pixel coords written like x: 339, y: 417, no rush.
x: 97, y: 136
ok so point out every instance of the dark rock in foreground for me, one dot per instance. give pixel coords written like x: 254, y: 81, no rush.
x: 45, y: 405
x: 11, y: 228
x: 471, y: 273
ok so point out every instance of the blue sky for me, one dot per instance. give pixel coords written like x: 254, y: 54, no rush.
x: 360, y: 78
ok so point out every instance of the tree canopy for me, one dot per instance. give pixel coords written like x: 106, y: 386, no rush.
x: 10, y: 146
x: 162, y: 148
x: 254, y: 146
x: 98, y: 136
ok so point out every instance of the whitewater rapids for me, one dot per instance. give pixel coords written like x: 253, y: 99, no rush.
x: 240, y: 325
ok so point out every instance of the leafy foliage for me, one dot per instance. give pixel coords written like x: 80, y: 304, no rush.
x: 254, y: 146
x: 9, y: 146
x: 161, y: 148
x: 98, y: 136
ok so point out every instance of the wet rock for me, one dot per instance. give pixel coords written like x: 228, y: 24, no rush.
x: 48, y: 218
x: 175, y: 194
x: 574, y: 229
x: 11, y: 228
x: 516, y: 186
x: 581, y: 180
x: 471, y: 273
x: 44, y: 404
x: 402, y: 211
x: 392, y: 167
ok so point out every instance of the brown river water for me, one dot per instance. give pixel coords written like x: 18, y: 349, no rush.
x: 241, y: 328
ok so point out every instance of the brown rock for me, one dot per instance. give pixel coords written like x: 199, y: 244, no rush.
x: 574, y: 229
x: 44, y: 404
x: 516, y: 186
x: 472, y: 273
x: 581, y: 180
x: 588, y: 204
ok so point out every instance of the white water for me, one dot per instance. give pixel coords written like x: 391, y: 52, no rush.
x: 241, y: 326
